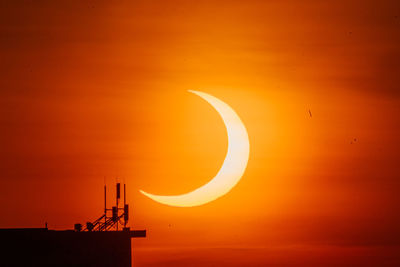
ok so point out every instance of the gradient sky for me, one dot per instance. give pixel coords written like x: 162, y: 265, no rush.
x: 94, y: 89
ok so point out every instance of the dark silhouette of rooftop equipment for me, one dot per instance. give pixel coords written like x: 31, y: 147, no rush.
x: 95, y: 244
x: 111, y: 217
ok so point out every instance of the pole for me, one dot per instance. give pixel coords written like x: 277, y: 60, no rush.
x: 105, y: 204
x: 124, y: 202
x: 116, y: 197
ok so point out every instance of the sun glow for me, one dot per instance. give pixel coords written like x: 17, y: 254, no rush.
x: 232, y: 169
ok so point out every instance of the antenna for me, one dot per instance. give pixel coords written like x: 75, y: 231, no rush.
x: 105, y: 203
x: 118, y: 196
x: 118, y: 191
x: 126, y: 208
x: 110, y: 221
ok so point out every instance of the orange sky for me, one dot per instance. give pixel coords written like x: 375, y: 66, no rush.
x: 96, y: 89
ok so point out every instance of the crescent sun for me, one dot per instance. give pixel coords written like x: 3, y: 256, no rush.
x: 231, y: 170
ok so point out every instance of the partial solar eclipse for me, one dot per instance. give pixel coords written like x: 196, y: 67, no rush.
x: 231, y: 170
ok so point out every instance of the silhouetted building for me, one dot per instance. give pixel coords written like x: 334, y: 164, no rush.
x: 43, y: 247
x: 97, y: 244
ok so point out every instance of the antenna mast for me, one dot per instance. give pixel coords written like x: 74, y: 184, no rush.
x: 112, y: 221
